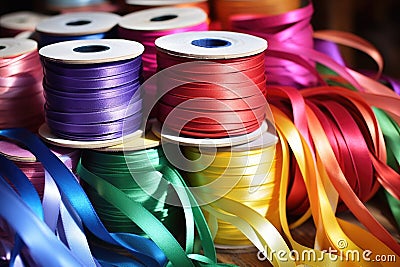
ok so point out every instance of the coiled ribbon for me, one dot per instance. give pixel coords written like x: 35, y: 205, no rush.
x: 72, y: 3
x: 123, y: 170
x: 226, y: 96
x: 147, y: 38
x: 34, y: 170
x: 332, y: 233
x: 227, y: 8
x: 246, y: 177
x: 292, y: 28
x: 146, y: 253
x: 21, y: 91
x: 35, y: 234
x: 90, y: 101
x: 147, y: 167
x: 53, y: 216
x: 128, y: 8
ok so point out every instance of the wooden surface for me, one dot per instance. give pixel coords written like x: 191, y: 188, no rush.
x: 305, y: 234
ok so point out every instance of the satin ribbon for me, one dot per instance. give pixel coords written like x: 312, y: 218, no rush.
x: 35, y: 170
x: 290, y: 28
x: 35, y: 235
x: 237, y: 197
x: 146, y: 253
x: 147, y: 38
x: 21, y: 91
x: 331, y: 232
x: 244, y: 177
x: 226, y: 8
x: 215, y: 98
x: 113, y: 168
x: 149, y: 57
x: 389, y: 126
x: 31, y: 198
x: 46, y: 39
x: 92, y: 102
x: 73, y: 3
x: 128, y: 8
x: 125, y: 203
x: 337, y: 165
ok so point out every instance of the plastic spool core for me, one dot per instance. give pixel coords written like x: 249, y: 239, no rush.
x: 91, y: 48
x: 164, y: 18
x: 211, y: 43
x: 2, y: 47
x: 78, y: 22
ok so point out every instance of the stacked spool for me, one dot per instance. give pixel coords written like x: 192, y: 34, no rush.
x: 211, y: 85
x: 193, y: 66
x: 287, y: 34
x: 224, y: 9
x: 243, y: 173
x: 32, y: 168
x: 22, y: 23
x: 147, y: 25
x: 76, y: 26
x: 21, y: 91
x: 136, y: 168
x: 35, y: 172
x: 92, y: 91
x: 93, y: 102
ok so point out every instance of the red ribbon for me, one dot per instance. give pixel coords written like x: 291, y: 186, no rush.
x: 357, y: 143
x: 288, y: 29
x: 227, y: 96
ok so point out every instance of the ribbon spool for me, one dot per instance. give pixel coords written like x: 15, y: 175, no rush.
x: 139, y: 173
x: 224, y: 9
x: 292, y: 28
x: 92, y: 92
x: 15, y: 23
x: 136, y: 5
x: 217, y: 81
x: 32, y: 168
x: 148, y: 25
x: 76, y: 26
x: 244, y: 174
x: 21, y: 91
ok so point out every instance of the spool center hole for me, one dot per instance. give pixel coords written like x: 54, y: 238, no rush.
x: 2, y: 47
x: 164, y: 18
x: 78, y: 22
x: 91, y: 48
x: 211, y: 43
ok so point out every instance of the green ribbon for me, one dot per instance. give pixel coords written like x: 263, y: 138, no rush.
x: 111, y: 176
x: 391, y: 133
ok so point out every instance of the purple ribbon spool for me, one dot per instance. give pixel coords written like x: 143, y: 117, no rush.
x: 92, y: 101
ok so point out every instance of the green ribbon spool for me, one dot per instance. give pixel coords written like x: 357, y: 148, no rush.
x: 110, y: 184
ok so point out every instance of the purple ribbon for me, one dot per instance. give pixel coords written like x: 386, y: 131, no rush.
x: 88, y: 102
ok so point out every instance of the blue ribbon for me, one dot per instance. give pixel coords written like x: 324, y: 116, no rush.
x: 25, y: 220
x: 146, y: 251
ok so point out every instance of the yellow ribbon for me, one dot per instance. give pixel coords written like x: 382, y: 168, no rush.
x: 345, y: 238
